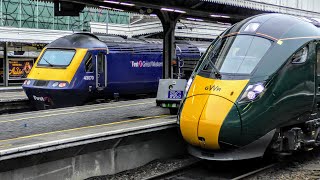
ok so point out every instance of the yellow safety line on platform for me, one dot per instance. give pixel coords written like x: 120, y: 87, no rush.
x: 85, y: 127
x: 73, y: 112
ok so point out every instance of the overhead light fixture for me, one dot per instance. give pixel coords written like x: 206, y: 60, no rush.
x: 117, y: 9
x: 122, y: 3
x: 112, y: 2
x: 219, y: 16
x: 194, y: 19
x: 172, y: 10
x: 127, y: 4
x: 109, y: 8
x: 104, y: 7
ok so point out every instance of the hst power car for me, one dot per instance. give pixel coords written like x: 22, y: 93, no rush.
x: 76, y: 68
x: 255, y: 89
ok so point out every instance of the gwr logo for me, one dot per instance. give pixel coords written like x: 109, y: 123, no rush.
x: 212, y: 88
x: 38, y: 98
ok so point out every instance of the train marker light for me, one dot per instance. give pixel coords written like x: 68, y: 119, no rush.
x: 62, y: 84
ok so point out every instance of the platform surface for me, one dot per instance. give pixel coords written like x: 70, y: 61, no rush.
x: 10, y: 96
x: 50, y: 127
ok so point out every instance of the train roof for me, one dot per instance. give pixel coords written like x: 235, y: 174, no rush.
x: 275, y: 26
x: 78, y: 40
x: 118, y: 44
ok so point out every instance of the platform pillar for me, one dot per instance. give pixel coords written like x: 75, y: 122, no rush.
x: 5, y: 65
x: 169, y: 21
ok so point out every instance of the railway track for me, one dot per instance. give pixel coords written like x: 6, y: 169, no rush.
x: 201, y: 169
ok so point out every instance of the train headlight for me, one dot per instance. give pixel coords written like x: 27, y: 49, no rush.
x: 62, y: 84
x: 252, y: 92
x: 55, y: 84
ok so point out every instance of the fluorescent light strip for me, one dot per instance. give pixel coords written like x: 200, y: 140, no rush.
x: 172, y: 10
x: 167, y: 9
x: 194, y: 19
x: 221, y: 16
x: 122, y: 3
x: 126, y: 4
x: 104, y: 7
x: 112, y: 2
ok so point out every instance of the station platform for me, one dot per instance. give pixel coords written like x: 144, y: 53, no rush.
x: 35, y: 132
x: 11, y: 89
x: 13, y: 99
x: 9, y: 96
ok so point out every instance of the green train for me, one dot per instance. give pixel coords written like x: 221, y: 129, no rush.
x: 255, y: 89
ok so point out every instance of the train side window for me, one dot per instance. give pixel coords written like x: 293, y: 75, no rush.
x: 100, y: 63
x: 300, y: 56
x: 88, y: 63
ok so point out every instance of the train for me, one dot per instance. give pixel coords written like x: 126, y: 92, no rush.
x: 77, y: 68
x: 255, y: 90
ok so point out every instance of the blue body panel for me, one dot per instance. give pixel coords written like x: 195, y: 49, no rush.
x: 131, y: 69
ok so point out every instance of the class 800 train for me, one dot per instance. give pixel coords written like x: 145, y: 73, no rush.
x: 80, y: 67
x: 255, y: 90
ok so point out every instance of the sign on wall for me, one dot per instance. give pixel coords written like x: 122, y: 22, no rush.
x: 19, y: 68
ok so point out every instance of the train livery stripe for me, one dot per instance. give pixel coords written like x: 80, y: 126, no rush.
x: 58, y: 74
x: 208, y: 104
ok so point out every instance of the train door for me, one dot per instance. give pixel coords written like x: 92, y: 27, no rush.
x: 100, y: 64
x: 317, y: 78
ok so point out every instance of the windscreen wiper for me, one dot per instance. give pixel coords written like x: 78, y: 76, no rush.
x: 48, y: 62
x: 217, y: 73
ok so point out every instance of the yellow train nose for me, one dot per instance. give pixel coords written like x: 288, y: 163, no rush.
x: 201, y: 120
x: 207, y: 105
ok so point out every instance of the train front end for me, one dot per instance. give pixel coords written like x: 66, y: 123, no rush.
x: 231, y: 109
x: 49, y: 82
x: 60, y: 76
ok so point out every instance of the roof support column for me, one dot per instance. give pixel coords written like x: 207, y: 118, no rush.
x: 5, y: 64
x: 169, y: 21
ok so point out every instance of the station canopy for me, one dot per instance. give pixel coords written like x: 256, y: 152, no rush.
x: 192, y: 9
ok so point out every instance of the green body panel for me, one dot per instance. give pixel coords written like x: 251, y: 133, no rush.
x: 291, y: 91
x: 288, y: 99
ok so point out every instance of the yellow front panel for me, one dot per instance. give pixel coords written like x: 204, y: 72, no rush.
x: 190, y: 115
x: 211, y: 120
x: 58, y: 74
x: 229, y: 89
x: 206, y: 107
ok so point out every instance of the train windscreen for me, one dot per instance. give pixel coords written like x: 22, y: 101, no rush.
x: 235, y: 54
x: 56, y: 58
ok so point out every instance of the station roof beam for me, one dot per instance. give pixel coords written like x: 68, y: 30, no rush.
x: 169, y: 12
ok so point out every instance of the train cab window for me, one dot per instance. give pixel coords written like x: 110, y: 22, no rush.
x: 236, y: 54
x: 300, y: 56
x: 88, y: 63
x: 56, y: 57
x: 100, y: 59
